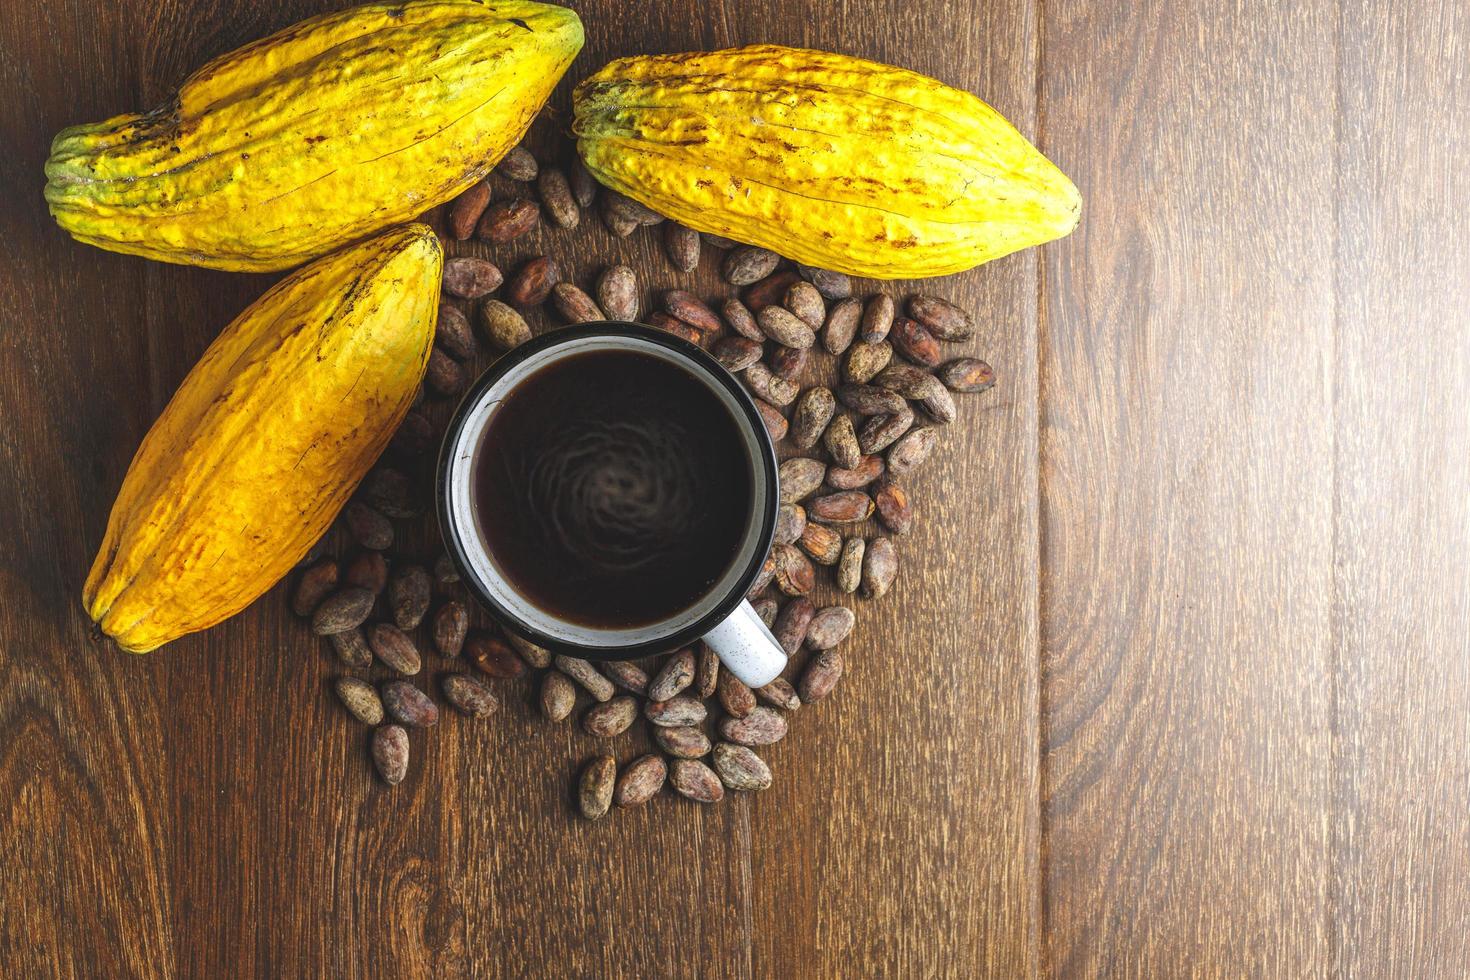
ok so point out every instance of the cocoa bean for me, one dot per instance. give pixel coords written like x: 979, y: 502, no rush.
x: 615, y: 219
x: 584, y: 186
x: 394, y: 648
x: 868, y: 469
x: 865, y: 360
x: 765, y: 611
x: 352, y: 648
x: 574, y: 305
x: 771, y: 289
x: 782, y: 326
x: 942, y: 318
x: 707, y: 673
x: 790, y: 629
x: 735, y: 697
x: 780, y: 693
x: 675, y: 712
x: 870, y: 399
x: 877, y: 318
x: 772, y: 418
x: 741, y: 769
x: 880, y: 567
x: 538, y: 657
x: 610, y: 718
x: 684, y: 742
x: 882, y: 431
x: 794, y: 572
x: 790, y: 522
x: 641, y: 213
x: 368, y: 528
x: 806, y: 304
x: 847, y: 507
x: 788, y: 362
x: 718, y: 241
x: 465, y: 212
x: 842, y: 325
x: 446, y: 572
x: 763, y: 577
x: 390, y: 753
x: 627, y: 675
x: 505, y: 221
x: 829, y: 627
x: 675, y: 326
x: 911, y: 449
x: 737, y: 353
x: 763, y: 726
x: 831, y: 285
x: 390, y: 492
x: 799, y: 477
x: 558, y: 696
x: 493, y: 656
x: 677, y: 674
x: 696, y: 781
x: 814, y: 410
x: 452, y: 332
x: 468, y: 277
x: 451, y: 624
x: 617, y: 293
x: 533, y: 282
x: 503, y: 326
x: 682, y: 245
x: 470, y: 696
x: 444, y: 375
x: 315, y: 584
x: 586, y: 675
x: 820, y: 676
x: 640, y: 781
x: 741, y: 320
x: 343, y: 610
x: 691, y: 309
x: 850, y: 564
x: 907, y: 380
x: 966, y: 374
x: 777, y: 391
x: 939, y: 405
x: 841, y: 441
x: 408, y: 705
x: 911, y: 340
x: 893, y: 507
x: 746, y: 264
x: 360, y: 699
x: 823, y: 544
x: 556, y: 197
x: 409, y: 590
x: 595, y: 788
x: 518, y: 165
x: 414, y: 436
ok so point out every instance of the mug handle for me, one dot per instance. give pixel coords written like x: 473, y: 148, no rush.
x: 747, y: 648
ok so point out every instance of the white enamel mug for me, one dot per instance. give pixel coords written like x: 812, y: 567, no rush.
x: 722, y: 617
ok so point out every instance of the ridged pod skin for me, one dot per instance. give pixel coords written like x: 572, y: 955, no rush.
x: 832, y: 161
x: 265, y: 440
x: 315, y: 137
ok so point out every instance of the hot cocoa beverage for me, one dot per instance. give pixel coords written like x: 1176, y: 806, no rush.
x: 612, y: 489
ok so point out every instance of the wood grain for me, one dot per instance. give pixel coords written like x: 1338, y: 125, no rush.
x: 1173, y: 681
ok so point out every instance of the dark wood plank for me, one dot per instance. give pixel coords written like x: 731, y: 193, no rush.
x: 1401, y: 615
x: 1186, y: 495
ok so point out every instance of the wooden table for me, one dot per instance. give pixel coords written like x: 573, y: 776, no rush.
x: 1174, y: 681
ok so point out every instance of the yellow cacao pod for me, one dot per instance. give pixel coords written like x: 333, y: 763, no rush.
x: 833, y: 161
x: 328, y: 131
x: 266, y: 439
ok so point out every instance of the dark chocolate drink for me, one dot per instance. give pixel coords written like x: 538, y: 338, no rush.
x: 612, y: 489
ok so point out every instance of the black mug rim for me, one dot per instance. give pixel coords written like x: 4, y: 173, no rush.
x: 698, y: 359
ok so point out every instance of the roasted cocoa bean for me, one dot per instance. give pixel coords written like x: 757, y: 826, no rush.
x: 394, y: 648
x: 533, y: 282
x: 390, y: 492
x: 676, y: 674
x: 893, y: 506
x: 942, y: 318
x: 640, y: 781
x: 414, y: 436
x: 315, y: 584
x: 696, y: 781
x: 505, y: 221
x: 746, y: 264
x: 614, y: 218
x: 794, y: 572
x: 627, y: 675
x: 675, y: 326
x: 939, y: 405
x: 777, y: 391
x: 763, y: 577
x: 584, y: 185
x: 829, y: 627
x: 682, y: 245
x: 444, y: 376
x: 451, y: 624
x: 409, y: 706
x: 906, y: 380
x: 368, y: 527
x: 850, y: 565
x: 763, y: 726
x: 707, y: 672
x: 806, y: 304
x: 788, y: 362
x: 865, y: 360
x: 691, y: 309
x: 831, y: 285
x: 882, y: 431
x: 611, y: 718
x: 470, y: 696
x: 617, y: 293
x: 538, y: 657
x: 675, y: 712
x: 558, y: 696
x: 446, y: 572
x: 493, y: 656
x: 574, y: 305
x: 842, y: 325
x: 352, y: 648
x: 343, y: 610
x: 735, y: 697
x: 799, y: 477
x: 966, y: 374
x: 409, y: 590
x: 586, y: 675
x: 360, y: 699
x: 452, y: 332
x: 877, y: 318
x: 765, y: 611
x: 772, y: 418
x: 390, y: 753
x: 821, y: 675
x: 912, y: 449
x: 502, y: 325
x: 910, y: 339
x: 718, y: 241
x: 741, y: 320
x: 790, y: 522
x: 684, y: 742
x: 556, y: 197
x: 595, y: 788
x: 737, y: 353
x: 465, y: 212
x: 741, y: 769
x: 847, y: 507
x: 870, y: 399
x: 823, y: 544
x: 783, y: 326
x: 780, y: 693
x: 880, y: 567
x: 814, y: 410
x: 790, y: 629
x: 868, y: 469
x: 636, y: 210
x: 841, y: 441
x: 468, y: 277
x: 771, y: 289
x: 518, y: 165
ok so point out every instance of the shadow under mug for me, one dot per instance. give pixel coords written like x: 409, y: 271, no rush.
x: 722, y: 616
